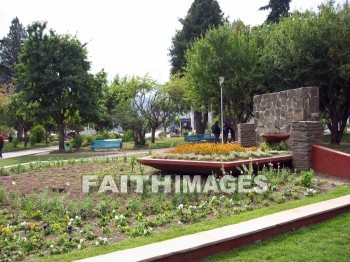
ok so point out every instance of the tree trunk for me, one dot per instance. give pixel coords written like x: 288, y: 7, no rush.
x: 201, y: 121
x: 153, y: 135
x: 25, y: 136
x: 61, y: 135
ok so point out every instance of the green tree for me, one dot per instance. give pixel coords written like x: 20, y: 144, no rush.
x: 279, y: 9
x: 132, y: 100
x: 54, y: 69
x: 230, y: 51
x: 313, y: 49
x: 10, y: 47
x: 202, y: 15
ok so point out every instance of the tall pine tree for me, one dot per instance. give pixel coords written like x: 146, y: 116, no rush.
x: 10, y: 47
x: 279, y: 9
x: 202, y: 15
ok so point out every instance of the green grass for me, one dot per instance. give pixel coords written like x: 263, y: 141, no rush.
x: 8, y: 147
x: 327, y: 241
x: 164, y: 142
x: 345, y: 138
x: 38, y: 158
x: 195, y: 228
x: 342, y: 148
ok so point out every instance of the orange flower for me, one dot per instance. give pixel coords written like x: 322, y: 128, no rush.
x: 209, y: 149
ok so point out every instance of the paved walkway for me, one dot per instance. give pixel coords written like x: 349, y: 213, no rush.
x: 28, y: 152
x: 188, y: 248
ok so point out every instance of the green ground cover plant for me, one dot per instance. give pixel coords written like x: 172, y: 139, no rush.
x: 44, y: 211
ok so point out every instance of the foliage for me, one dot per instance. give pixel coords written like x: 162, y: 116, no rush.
x: 279, y: 9
x: 78, y: 141
x: 313, y: 49
x: 10, y: 47
x: 306, y: 178
x: 202, y: 15
x: 230, y: 51
x: 47, y: 223
x: 54, y: 69
x: 37, y: 134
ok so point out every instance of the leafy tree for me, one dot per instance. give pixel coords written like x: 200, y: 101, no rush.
x: 202, y: 15
x: 313, y: 49
x: 230, y: 51
x: 279, y: 9
x: 10, y: 47
x: 132, y: 100
x: 54, y: 69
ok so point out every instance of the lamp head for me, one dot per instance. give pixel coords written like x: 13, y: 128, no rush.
x: 221, y: 79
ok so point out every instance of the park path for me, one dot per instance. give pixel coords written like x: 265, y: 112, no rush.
x: 28, y: 152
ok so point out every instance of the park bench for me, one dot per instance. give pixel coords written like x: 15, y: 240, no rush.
x: 107, y: 144
x: 199, y: 138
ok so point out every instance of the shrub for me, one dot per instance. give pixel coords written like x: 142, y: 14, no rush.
x: 127, y: 136
x: 37, y: 134
x: 87, y: 140
x: 77, y: 141
x: 15, y: 142
x: 162, y: 135
x: 306, y: 178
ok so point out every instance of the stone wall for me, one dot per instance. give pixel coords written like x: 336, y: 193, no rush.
x: 304, y: 134
x: 274, y: 112
x: 246, y: 135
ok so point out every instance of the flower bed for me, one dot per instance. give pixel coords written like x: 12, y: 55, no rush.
x: 35, y: 221
x: 216, y: 152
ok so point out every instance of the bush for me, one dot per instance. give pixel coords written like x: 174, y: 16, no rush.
x: 162, y: 135
x: 87, y: 140
x: 15, y: 142
x: 127, y: 136
x: 306, y: 178
x: 37, y: 134
x: 77, y: 141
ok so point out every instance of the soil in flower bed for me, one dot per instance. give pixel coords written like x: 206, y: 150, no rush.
x: 43, y: 211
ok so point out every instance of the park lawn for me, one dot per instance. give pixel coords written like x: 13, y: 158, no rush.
x: 8, y: 147
x: 38, y: 158
x: 342, y: 148
x: 182, y: 230
x: 163, y: 142
x: 327, y: 241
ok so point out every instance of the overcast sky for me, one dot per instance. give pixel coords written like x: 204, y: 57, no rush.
x: 127, y: 37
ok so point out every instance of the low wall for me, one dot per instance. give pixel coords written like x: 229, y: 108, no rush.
x: 304, y: 134
x: 330, y: 162
x: 246, y: 135
x: 274, y: 112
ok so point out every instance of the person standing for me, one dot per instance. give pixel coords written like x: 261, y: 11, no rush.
x: 216, y: 131
x: 225, y: 130
x: 233, y: 136
x: 2, y: 141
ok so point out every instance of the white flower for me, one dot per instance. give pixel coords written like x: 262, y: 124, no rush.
x: 179, y: 222
x: 97, y: 243
x: 77, y: 217
x: 51, y: 246
x: 116, y: 217
x: 181, y: 206
x: 23, y: 223
x: 14, y: 183
x: 81, y: 241
x: 79, y: 246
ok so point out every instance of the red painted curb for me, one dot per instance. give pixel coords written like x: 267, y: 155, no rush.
x: 208, y: 167
x: 330, y: 162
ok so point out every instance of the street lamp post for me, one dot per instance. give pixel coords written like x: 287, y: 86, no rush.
x: 221, y: 81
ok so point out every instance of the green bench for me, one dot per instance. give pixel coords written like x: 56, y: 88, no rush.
x: 107, y: 144
x: 199, y: 138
